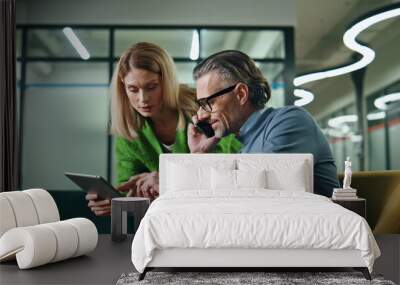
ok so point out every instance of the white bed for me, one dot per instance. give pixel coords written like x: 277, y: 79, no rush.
x: 248, y: 210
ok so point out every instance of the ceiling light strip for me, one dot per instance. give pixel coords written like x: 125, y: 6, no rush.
x: 349, y: 39
x: 76, y: 43
x: 304, y: 95
x: 381, y: 102
x: 376, y: 116
x: 195, y: 47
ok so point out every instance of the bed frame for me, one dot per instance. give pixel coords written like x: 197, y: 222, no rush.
x: 242, y: 259
x: 245, y: 258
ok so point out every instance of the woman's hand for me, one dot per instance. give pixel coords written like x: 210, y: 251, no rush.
x: 142, y: 185
x: 98, y: 207
x: 102, y: 207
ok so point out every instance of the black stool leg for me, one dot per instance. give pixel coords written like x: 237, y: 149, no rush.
x: 364, y: 271
x: 143, y: 274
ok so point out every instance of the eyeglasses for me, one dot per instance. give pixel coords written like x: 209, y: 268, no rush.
x: 204, y: 102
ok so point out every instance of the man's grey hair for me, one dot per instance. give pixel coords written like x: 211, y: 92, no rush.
x: 236, y: 66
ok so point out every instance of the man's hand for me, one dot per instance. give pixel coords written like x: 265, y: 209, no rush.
x: 198, y: 142
x: 98, y: 207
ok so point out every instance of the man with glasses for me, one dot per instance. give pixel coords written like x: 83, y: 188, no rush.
x: 232, y: 93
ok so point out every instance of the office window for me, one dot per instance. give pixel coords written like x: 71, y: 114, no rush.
x: 176, y: 42
x: 273, y: 73
x: 257, y: 44
x: 336, y: 138
x: 341, y: 130
x: 352, y: 139
x: 55, y: 43
x: 185, y: 72
x: 65, y: 122
x: 393, y: 125
x: 376, y: 134
x: 382, y: 134
x: 377, y: 149
x: 394, y: 135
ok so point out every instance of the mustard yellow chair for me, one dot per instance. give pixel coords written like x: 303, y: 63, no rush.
x: 381, y: 189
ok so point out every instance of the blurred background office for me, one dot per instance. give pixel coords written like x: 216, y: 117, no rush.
x: 66, y: 52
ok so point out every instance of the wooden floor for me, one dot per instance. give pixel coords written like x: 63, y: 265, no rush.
x: 389, y: 262
x: 110, y: 260
x: 103, y: 266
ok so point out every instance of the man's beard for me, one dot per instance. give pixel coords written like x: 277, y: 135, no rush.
x: 224, y: 129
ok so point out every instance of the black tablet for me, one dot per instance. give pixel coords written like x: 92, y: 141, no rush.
x: 93, y: 183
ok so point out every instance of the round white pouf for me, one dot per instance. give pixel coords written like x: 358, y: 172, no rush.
x: 7, y: 218
x: 67, y: 240
x: 87, y: 235
x: 45, y: 205
x: 33, y: 246
x: 23, y: 208
x: 40, y: 244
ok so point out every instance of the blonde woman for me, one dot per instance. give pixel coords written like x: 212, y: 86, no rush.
x: 150, y: 112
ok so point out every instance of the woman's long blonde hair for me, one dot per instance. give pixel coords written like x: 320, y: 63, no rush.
x: 125, y: 121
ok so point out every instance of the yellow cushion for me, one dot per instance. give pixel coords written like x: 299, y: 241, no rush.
x: 381, y: 189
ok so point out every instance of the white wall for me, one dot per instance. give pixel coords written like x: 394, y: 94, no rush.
x: 158, y: 12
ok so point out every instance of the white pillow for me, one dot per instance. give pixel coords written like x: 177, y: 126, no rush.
x: 251, y: 178
x: 184, y: 175
x: 281, y: 174
x: 181, y: 177
x: 223, y: 179
x: 291, y: 180
x: 235, y: 179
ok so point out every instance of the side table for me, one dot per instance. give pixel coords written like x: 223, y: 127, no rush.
x: 120, y: 207
x: 357, y: 205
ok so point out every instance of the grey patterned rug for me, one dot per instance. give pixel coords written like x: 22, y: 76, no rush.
x: 229, y: 278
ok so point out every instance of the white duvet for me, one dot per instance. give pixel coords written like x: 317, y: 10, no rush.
x: 253, y: 218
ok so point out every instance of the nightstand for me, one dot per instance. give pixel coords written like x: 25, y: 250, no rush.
x: 120, y: 208
x: 357, y: 205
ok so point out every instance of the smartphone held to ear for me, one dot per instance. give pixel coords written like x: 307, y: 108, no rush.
x: 205, y: 128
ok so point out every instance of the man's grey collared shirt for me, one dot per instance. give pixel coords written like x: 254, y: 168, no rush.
x: 291, y: 129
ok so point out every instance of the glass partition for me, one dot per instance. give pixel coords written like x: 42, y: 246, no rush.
x: 383, y: 132
x: 257, y: 44
x: 185, y: 72
x: 274, y: 74
x: 59, y: 43
x: 393, y: 127
x: 176, y: 42
x: 65, y: 123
